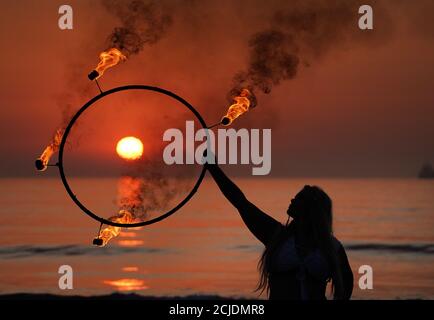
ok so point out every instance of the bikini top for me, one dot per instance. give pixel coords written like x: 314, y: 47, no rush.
x: 313, y: 265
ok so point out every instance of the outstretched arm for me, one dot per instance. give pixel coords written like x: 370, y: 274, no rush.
x: 259, y: 223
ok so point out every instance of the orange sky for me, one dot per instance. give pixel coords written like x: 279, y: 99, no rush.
x: 362, y: 110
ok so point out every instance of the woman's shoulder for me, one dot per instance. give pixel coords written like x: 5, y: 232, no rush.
x: 337, y: 244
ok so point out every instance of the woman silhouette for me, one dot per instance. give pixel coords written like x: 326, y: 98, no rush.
x: 301, y: 257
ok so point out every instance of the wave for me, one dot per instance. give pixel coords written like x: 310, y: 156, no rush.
x: 427, y: 248
x: 423, y: 248
x: 25, y: 251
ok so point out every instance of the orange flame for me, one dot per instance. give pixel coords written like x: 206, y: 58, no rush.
x: 241, y: 105
x: 42, y: 161
x: 110, y: 232
x: 109, y: 59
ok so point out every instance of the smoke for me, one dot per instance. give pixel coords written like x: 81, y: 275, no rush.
x: 146, y: 189
x: 299, y: 36
x: 130, y: 196
x: 142, y: 23
x: 141, y: 195
x: 273, y: 58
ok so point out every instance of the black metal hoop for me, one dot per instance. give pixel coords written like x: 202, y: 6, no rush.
x: 74, y: 119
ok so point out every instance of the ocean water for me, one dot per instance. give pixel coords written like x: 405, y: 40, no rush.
x: 205, y: 248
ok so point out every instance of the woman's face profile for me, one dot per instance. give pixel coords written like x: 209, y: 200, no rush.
x: 294, y: 206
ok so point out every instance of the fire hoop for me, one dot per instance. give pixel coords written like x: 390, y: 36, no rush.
x: 88, y: 105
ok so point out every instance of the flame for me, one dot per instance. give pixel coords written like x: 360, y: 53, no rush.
x: 241, y: 105
x: 109, y: 59
x: 42, y: 161
x: 110, y: 232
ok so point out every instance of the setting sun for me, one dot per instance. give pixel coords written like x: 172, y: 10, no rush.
x: 130, y: 148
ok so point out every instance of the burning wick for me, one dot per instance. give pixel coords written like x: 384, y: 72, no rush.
x: 241, y: 105
x: 41, y: 163
x: 110, y: 232
x: 108, y: 59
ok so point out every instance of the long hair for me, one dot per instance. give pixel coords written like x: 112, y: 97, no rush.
x: 313, y: 222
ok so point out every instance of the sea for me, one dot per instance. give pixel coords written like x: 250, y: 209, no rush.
x: 204, y: 248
